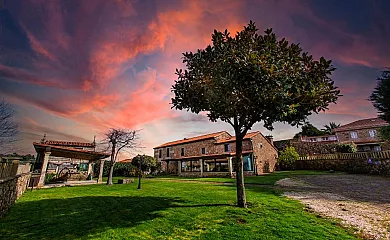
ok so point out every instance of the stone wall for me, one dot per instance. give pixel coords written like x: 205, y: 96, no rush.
x: 264, y: 153
x: 362, y: 135
x: 11, y: 189
x: 366, y: 166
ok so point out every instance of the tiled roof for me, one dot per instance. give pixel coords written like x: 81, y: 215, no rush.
x: 233, y: 138
x: 69, y: 144
x: 361, y: 124
x: 71, y: 149
x: 193, y: 139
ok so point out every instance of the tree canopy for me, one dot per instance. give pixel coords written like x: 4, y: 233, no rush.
x: 309, y: 130
x: 329, y: 128
x: 380, y: 97
x: 251, y: 77
x: 147, y: 162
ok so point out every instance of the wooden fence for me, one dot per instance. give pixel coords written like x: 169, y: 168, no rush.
x: 357, y: 155
x: 8, y: 169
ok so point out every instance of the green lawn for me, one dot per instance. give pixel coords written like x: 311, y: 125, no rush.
x: 163, y: 210
x: 267, y: 179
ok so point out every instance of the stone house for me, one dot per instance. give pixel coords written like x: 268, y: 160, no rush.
x: 364, y: 133
x: 213, y: 155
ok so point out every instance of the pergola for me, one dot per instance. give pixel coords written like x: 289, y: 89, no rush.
x: 44, y: 151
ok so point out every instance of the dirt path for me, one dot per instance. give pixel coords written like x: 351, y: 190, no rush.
x: 360, y: 201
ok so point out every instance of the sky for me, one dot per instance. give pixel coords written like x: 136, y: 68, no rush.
x: 72, y: 69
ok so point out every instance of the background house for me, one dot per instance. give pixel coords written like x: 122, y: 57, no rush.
x: 364, y: 133
x: 213, y: 155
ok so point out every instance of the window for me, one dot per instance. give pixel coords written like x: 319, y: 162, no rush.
x: 190, y: 166
x: 248, y: 164
x: 215, y: 165
x: 182, y: 152
x: 160, y: 153
x: 168, y: 152
x: 227, y: 147
x: 203, y: 150
x: 377, y: 148
x: 353, y: 134
x: 372, y: 133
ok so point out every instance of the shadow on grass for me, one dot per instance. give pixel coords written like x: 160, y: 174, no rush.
x: 79, y: 217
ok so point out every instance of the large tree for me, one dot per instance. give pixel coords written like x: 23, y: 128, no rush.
x: 309, y: 130
x: 250, y: 78
x: 8, y: 126
x: 380, y: 98
x: 119, y: 140
x: 144, y: 163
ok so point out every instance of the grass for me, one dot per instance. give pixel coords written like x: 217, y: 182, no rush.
x: 163, y: 210
x: 267, y: 179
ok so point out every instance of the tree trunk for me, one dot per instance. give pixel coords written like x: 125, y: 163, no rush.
x: 139, y: 176
x: 241, y: 196
x: 112, y: 162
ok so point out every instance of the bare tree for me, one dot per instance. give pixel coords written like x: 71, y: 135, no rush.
x: 8, y: 127
x: 120, y: 140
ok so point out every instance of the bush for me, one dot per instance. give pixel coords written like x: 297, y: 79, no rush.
x: 120, y: 169
x: 50, y: 177
x: 287, y: 158
x: 346, y: 148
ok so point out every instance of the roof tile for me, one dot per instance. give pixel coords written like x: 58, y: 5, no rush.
x: 363, y: 123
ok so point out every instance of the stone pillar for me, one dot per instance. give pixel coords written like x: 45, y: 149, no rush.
x: 100, y: 179
x: 43, y: 170
x: 90, y: 168
x: 201, y: 168
x: 179, y: 168
x: 230, y: 164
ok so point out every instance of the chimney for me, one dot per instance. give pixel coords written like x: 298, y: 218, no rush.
x: 270, y: 138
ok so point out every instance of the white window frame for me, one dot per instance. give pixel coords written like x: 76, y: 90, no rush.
x: 205, y: 150
x: 372, y: 133
x: 353, y: 135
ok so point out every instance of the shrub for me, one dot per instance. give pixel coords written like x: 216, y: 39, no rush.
x: 346, y: 148
x: 50, y: 177
x: 287, y: 158
x: 120, y: 169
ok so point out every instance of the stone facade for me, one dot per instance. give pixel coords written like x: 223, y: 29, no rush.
x: 11, y: 189
x: 365, y: 139
x: 256, y: 147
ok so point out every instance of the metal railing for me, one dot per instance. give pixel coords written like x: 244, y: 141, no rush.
x: 357, y: 155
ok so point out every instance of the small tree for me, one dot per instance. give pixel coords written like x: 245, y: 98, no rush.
x: 144, y: 163
x: 118, y: 140
x: 8, y: 127
x: 287, y: 158
x: 250, y: 78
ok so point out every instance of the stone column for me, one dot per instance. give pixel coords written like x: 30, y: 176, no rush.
x: 179, y: 168
x: 100, y: 179
x: 90, y: 168
x: 230, y: 164
x: 43, y: 170
x: 201, y: 168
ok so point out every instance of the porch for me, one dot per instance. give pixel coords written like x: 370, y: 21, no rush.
x: 213, y: 165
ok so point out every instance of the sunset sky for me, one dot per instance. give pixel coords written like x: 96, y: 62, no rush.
x: 73, y: 69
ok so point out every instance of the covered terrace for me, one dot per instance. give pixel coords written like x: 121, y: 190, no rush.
x: 44, y: 151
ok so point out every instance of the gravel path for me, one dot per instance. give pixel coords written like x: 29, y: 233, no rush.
x: 360, y: 201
